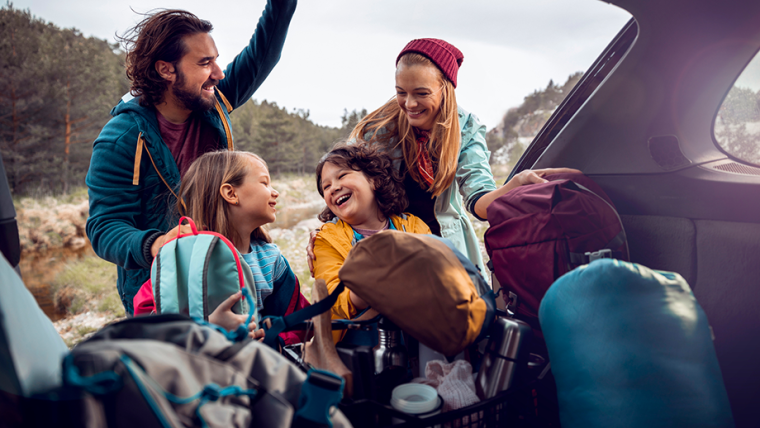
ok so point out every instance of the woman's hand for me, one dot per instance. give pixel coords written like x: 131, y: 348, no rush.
x: 228, y: 320
x: 310, y: 257
x: 535, y: 176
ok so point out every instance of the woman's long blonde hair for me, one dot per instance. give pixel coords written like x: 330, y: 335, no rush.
x: 200, y: 190
x: 393, y: 125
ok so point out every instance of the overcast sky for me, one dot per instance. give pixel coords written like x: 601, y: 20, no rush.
x: 340, y: 54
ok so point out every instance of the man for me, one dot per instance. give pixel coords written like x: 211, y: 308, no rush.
x: 180, y: 111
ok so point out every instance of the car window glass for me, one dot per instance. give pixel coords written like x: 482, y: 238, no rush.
x: 737, y: 124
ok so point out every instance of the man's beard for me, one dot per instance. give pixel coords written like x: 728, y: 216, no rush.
x: 192, y: 101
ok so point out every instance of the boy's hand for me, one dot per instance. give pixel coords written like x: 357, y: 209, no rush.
x: 256, y: 334
x: 228, y: 320
x: 310, y: 257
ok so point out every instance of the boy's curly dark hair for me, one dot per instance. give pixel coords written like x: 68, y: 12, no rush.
x: 376, y: 166
x: 159, y: 36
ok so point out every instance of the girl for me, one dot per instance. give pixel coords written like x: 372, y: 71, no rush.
x: 230, y: 192
x: 441, y: 148
x: 364, y: 195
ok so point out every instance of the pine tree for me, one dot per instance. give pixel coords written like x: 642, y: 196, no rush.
x: 82, y: 64
x: 56, y: 89
x: 24, y: 107
x: 276, y: 142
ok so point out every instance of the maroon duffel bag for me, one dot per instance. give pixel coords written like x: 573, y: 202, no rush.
x: 539, y: 232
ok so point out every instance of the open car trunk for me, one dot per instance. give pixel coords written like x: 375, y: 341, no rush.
x: 640, y: 123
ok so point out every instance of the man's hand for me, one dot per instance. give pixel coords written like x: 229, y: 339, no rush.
x: 161, y: 240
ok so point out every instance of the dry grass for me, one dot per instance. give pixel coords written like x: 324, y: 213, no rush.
x: 87, y: 285
x: 52, y: 222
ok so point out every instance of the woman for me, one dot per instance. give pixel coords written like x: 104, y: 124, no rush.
x: 439, y: 148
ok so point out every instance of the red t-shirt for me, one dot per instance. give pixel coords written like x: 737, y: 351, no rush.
x: 187, y: 141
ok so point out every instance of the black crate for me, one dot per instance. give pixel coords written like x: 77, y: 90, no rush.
x: 513, y: 408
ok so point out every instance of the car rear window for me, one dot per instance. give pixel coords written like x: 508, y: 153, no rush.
x: 737, y: 124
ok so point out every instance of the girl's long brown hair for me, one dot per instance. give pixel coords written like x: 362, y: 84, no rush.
x: 203, y: 200
x: 389, y: 123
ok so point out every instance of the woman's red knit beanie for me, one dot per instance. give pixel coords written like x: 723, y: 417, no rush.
x: 445, y: 55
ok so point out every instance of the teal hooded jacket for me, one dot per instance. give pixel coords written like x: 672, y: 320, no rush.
x: 133, y: 178
x: 473, y: 180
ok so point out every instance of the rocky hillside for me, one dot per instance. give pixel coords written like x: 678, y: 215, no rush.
x: 519, y: 126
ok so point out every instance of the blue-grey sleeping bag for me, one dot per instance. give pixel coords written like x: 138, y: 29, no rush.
x: 631, y: 347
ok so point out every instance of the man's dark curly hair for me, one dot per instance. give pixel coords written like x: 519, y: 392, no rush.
x: 158, y: 37
x: 376, y: 166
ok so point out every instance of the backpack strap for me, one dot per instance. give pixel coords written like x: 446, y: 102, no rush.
x: 166, y: 298
x: 210, y: 392
x: 105, y: 382
x: 198, y: 275
x: 287, y: 323
x: 607, y: 252
x: 491, y: 311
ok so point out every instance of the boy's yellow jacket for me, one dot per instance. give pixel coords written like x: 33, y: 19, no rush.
x: 331, y: 247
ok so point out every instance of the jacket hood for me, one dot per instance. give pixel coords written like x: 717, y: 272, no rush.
x: 145, y: 117
x: 129, y: 103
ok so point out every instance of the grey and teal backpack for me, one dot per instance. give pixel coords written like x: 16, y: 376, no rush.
x: 153, y: 371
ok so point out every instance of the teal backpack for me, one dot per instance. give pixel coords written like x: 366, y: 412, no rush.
x: 195, y: 272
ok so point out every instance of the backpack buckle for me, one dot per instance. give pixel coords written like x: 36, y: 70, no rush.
x: 512, y: 303
x: 321, y: 391
x: 601, y: 254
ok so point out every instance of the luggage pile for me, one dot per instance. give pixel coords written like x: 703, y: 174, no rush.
x: 563, y: 239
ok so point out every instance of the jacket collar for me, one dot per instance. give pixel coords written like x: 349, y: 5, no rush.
x: 341, y: 235
x: 145, y: 117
